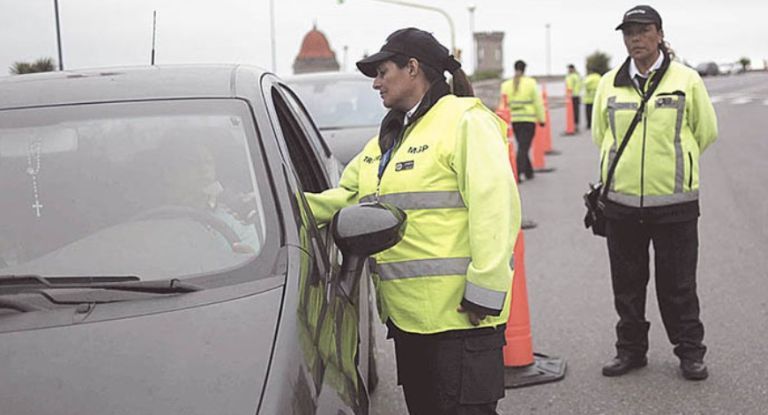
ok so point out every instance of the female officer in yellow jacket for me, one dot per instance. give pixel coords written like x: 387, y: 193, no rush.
x: 526, y: 109
x: 654, y: 195
x: 444, y: 289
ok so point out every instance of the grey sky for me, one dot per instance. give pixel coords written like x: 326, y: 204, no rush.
x: 99, y: 33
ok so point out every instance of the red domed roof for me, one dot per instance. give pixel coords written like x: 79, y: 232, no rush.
x: 315, y: 45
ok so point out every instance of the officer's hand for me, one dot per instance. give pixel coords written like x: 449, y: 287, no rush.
x: 474, y: 318
x: 542, y: 124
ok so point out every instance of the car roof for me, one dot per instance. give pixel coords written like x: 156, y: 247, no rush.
x: 122, y: 84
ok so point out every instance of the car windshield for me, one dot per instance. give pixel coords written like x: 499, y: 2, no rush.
x: 161, y: 189
x: 340, y: 103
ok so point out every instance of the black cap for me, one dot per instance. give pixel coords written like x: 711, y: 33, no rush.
x: 411, y: 43
x: 641, y: 14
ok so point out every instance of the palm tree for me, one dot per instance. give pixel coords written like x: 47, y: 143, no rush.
x: 40, y: 65
x: 745, y: 63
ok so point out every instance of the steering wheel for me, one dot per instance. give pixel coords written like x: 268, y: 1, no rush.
x: 198, y: 215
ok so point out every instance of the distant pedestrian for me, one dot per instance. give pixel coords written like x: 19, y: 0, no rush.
x: 526, y: 109
x: 654, y: 194
x: 590, y: 88
x: 443, y: 291
x: 573, y: 84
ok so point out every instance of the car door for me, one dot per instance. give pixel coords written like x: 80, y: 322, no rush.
x: 331, y: 314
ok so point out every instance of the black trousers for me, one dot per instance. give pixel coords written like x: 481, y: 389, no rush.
x: 588, y: 110
x: 451, y: 373
x: 524, y: 132
x: 675, y: 247
x: 576, y: 103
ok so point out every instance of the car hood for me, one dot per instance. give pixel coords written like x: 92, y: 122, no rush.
x: 346, y: 142
x: 207, y: 359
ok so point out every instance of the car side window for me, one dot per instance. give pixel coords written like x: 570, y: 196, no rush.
x: 312, y: 174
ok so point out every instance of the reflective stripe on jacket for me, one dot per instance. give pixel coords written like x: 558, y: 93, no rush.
x: 590, y: 87
x: 525, y: 104
x: 450, y: 174
x: 660, y: 165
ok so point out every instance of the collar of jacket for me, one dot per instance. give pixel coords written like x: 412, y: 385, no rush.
x: 623, y: 78
x: 392, y: 124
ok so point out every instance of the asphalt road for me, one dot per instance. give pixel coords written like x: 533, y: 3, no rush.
x: 569, y: 285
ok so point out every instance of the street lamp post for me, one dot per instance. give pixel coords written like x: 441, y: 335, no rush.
x: 434, y: 9
x: 272, y: 34
x: 58, y: 33
x: 548, y: 50
x: 473, y: 51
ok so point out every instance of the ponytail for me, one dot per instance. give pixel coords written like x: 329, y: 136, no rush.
x: 462, y: 87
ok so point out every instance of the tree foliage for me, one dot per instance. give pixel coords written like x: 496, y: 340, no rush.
x: 598, y: 62
x: 745, y: 63
x: 39, y: 65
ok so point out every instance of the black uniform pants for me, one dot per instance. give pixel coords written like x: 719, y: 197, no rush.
x: 576, y: 104
x: 588, y: 111
x: 452, y: 373
x: 524, y: 132
x: 675, y: 247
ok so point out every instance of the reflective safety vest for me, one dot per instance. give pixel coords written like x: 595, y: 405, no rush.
x: 451, y: 175
x: 525, y: 103
x: 660, y: 165
x: 590, y: 87
x: 573, y: 82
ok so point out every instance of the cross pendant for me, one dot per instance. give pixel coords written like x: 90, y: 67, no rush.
x: 37, y: 206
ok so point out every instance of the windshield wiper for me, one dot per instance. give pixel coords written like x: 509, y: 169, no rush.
x: 26, y: 283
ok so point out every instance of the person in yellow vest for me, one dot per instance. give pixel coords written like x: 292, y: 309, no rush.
x: 654, y: 194
x: 443, y: 291
x: 590, y: 88
x: 526, y: 109
x: 573, y: 84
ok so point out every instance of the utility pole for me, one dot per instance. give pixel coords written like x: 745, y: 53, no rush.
x: 154, y: 30
x: 272, y: 34
x: 473, y: 50
x: 58, y: 33
x: 547, y: 47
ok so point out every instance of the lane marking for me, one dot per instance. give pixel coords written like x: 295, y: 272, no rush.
x: 741, y: 101
x: 765, y: 102
x: 716, y: 99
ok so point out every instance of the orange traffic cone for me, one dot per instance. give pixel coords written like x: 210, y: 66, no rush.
x: 523, y: 367
x: 548, y: 150
x: 570, y: 129
x: 539, y: 143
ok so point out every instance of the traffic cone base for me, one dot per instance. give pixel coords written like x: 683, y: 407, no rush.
x: 552, y: 153
x: 544, y: 369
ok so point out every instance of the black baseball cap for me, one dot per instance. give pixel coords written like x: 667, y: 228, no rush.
x: 641, y: 14
x: 411, y: 43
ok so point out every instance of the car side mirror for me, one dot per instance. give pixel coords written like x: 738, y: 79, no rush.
x: 363, y: 230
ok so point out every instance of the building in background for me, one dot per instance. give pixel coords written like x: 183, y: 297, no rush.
x: 490, y: 53
x: 315, y: 54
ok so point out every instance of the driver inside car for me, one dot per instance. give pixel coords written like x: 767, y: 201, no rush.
x: 189, y: 179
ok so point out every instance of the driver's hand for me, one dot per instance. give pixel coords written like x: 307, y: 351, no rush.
x: 241, y: 248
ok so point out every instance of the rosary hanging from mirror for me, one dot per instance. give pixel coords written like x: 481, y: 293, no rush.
x: 33, y: 169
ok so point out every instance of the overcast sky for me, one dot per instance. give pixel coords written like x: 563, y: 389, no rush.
x: 101, y: 33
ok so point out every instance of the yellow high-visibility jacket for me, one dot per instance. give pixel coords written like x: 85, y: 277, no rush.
x: 660, y: 165
x: 573, y: 82
x: 451, y: 175
x: 525, y: 104
x: 590, y: 87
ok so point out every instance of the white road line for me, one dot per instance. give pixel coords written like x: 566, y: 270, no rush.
x: 716, y: 99
x: 741, y: 100
x: 765, y: 102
